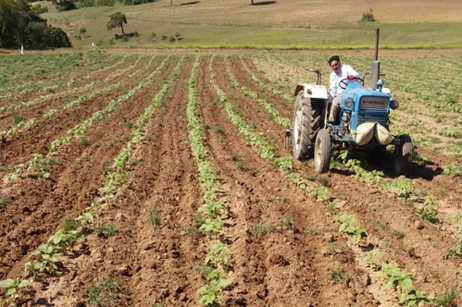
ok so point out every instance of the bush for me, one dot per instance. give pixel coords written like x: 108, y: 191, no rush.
x: 367, y: 17
x: 38, y: 9
x: 82, y: 31
x: 105, y: 2
x: 59, y: 38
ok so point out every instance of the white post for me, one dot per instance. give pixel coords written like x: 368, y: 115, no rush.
x: 22, y: 49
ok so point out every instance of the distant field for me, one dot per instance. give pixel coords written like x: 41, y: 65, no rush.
x: 287, y: 24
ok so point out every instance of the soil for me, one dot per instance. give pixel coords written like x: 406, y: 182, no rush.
x: 303, y: 261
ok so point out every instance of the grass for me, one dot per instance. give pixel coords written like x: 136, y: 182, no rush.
x: 3, y: 201
x: 337, y: 275
x: 154, y: 217
x: 237, y: 24
x: 104, y: 292
x: 263, y: 229
x: 108, y: 230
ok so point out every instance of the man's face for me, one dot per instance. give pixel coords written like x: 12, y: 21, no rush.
x: 335, y: 65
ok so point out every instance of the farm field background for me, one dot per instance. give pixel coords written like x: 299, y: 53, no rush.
x: 284, y: 24
x: 146, y: 172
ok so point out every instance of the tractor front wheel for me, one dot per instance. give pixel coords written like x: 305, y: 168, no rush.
x: 403, y: 155
x: 322, y: 151
x: 306, y: 125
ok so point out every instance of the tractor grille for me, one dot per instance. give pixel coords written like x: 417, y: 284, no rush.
x: 381, y: 119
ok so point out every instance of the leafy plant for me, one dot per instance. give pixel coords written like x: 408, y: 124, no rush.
x: 211, y: 227
x: 218, y: 256
x: 399, y: 187
x: 396, y: 277
x: 64, y: 238
x: 428, y: 212
x: 371, y: 259
x: 212, y: 208
x: 209, y: 292
x: 104, y: 292
x: 14, y: 289
x: 412, y: 298
x: 455, y: 251
x: 348, y: 225
x: 320, y: 193
x: 45, y: 260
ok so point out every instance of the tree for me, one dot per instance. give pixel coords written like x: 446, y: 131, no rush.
x: 20, y: 25
x: 117, y: 20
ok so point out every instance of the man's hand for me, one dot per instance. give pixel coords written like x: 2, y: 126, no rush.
x: 351, y: 77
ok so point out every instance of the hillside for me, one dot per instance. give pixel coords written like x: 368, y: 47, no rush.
x: 271, y: 24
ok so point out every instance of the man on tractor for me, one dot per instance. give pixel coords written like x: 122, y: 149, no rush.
x: 339, y: 72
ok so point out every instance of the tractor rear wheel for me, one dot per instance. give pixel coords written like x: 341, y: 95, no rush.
x: 322, y: 151
x: 403, y: 155
x: 306, y: 125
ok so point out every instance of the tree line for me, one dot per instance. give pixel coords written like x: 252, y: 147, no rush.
x: 20, y: 25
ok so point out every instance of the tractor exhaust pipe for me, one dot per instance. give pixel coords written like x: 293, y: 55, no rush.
x: 375, y: 68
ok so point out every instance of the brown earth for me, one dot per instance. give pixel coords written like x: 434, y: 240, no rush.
x: 293, y: 265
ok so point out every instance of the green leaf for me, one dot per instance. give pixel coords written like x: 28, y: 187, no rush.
x: 406, y: 284
x: 223, y: 283
x: 7, y: 283
x: 24, y: 283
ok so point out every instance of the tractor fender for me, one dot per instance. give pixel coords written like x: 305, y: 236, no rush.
x: 311, y: 91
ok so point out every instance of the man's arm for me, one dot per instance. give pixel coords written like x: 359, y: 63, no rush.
x: 352, y: 72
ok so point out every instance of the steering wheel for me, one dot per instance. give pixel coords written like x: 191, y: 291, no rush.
x: 344, y: 82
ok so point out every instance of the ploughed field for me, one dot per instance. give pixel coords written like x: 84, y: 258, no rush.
x: 148, y: 179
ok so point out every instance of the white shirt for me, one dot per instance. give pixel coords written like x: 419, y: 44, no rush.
x: 345, y: 71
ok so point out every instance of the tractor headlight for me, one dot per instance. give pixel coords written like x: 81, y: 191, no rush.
x: 348, y: 102
x: 394, y: 104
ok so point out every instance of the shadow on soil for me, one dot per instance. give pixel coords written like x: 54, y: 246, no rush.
x: 190, y: 3
x: 424, y: 170
x: 264, y: 3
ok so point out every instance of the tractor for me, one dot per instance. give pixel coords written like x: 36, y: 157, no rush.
x: 362, y: 125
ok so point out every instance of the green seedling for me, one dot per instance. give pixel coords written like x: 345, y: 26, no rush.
x: 396, y: 277
x: 429, y: 210
x: 45, y: 260
x: 348, y: 225
x: 455, y: 251
x: 213, y: 208
x: 211, y: 227
x: 218, y: 256
x: 412, y: 298
x: 371, y: 259
x: 14, y: 289
x: 209, y: 293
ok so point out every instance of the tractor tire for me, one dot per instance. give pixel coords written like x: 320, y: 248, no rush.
x: 403, y: 156
x: 306, y: 123
x: 322, y: 151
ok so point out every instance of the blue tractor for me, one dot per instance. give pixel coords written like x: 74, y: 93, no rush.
x: 362, y: 126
